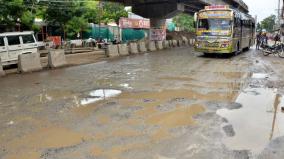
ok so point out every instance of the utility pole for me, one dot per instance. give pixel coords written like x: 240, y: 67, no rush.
x: 279, y: 1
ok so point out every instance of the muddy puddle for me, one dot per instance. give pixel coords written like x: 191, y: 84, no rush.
x: 257, y: 122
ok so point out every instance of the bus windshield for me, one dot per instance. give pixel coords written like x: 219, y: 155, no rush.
x: 213, y: 25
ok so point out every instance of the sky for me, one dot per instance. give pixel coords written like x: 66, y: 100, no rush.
x: 262, y: 8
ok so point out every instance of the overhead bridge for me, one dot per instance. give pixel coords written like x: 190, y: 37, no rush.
x: 157, y: 10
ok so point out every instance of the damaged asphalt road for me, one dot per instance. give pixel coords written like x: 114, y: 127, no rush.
x: 171, y: 104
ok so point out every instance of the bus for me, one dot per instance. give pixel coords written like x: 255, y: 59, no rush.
x: 222, y: 30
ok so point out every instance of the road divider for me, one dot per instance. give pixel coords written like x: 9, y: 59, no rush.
x: 142, y: 46
x: 123, y: 49
x: 2, y: 72
x: 29, y: 62
x: 112, y: 51
x: 174, y: 43
x: 166, y: 44
x: 56, y: 58
x: 159, y: 45
x: 152, y: 46
x: 133, y: 48
x: 180, y: 43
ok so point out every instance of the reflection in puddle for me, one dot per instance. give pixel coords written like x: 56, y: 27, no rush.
x: 259, y: 75
x: 257, y: 122
x: 125, y: 85
x: 100, y: 94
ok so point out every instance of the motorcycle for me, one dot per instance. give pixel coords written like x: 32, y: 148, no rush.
x: 276, y: 49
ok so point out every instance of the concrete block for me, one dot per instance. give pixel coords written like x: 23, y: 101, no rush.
x: 152, y: 46
x: 142, y: 46
x: 2, y: 72
x: 159, y: 45
x: 180, y: 43
x: 123, y: 49
x: 112, y: 51
x: 29, y: 62
x: 175, y: 43
x: 170, y: 43
x: 56, y: 58
x: 185, y: 42
x: 133, y: 48
x: 166, y: 44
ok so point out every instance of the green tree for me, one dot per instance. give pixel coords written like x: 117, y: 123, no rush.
x: 258, y: 27
x: 112, y: 12
x: 76, y: 25
x: 268, y: 23
x: 185, y: 22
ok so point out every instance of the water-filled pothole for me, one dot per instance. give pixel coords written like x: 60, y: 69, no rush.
x: 98, y: 95
x: 257, y: 122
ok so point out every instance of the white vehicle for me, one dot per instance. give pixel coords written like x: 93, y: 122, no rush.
x: 12, y: 44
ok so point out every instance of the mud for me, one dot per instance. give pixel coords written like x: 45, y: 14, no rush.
x: 171, y: 104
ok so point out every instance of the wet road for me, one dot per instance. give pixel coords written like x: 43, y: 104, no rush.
x: 173, y: 104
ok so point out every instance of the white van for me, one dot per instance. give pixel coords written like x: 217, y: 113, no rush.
x: 13, y: 44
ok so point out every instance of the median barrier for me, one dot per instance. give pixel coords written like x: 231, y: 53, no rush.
x: 123, y: 49
x: 29, y: 62
x: 56, y: 58
x: 180, y: 43
x: 159, y: 45
x: 174, y: 43
x: 152, y: 46
x: 133, y: 48
x: 2, y: 72
x: 112, y: 51
x: 142, y: 46
x: 166, y: 44
x: 170, y: 43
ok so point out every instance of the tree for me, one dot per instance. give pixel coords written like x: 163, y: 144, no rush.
x: 112, y: 12
x: 258, y: 27
x: 76, y: 25
x: 185, y: 22
x: 268, y: 23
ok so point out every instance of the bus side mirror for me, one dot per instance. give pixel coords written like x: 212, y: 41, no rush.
x: 195, y: 17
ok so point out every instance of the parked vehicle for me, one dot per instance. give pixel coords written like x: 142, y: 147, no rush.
x: 277, y: 49
x: 12, y: 44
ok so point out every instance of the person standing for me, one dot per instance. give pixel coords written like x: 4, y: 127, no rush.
x: 258, y: 40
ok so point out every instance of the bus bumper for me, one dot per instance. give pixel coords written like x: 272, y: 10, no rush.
x: 217, y: 50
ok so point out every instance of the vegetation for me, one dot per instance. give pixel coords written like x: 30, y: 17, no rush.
x: 71, y: 16
x: 268, y: 23
x: 185, y: 22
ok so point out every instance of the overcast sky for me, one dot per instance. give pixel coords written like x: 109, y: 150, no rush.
x: 262, y: 8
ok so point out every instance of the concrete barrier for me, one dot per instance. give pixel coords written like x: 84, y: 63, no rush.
x: 2, y: 72
x: 166, y: 44
x: 56, y: 58
x: 123, y: 49
x: 185, y: 41
x: 112, y: 51
x: 174, y: 43
x: 159, y: 45
x: 180, y: 43
x: 170, y: 43
x: 133, y: 48
x: 29, y: 62
x: 142, y: 46
x: 152, y: 46
x: 191, y: 41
